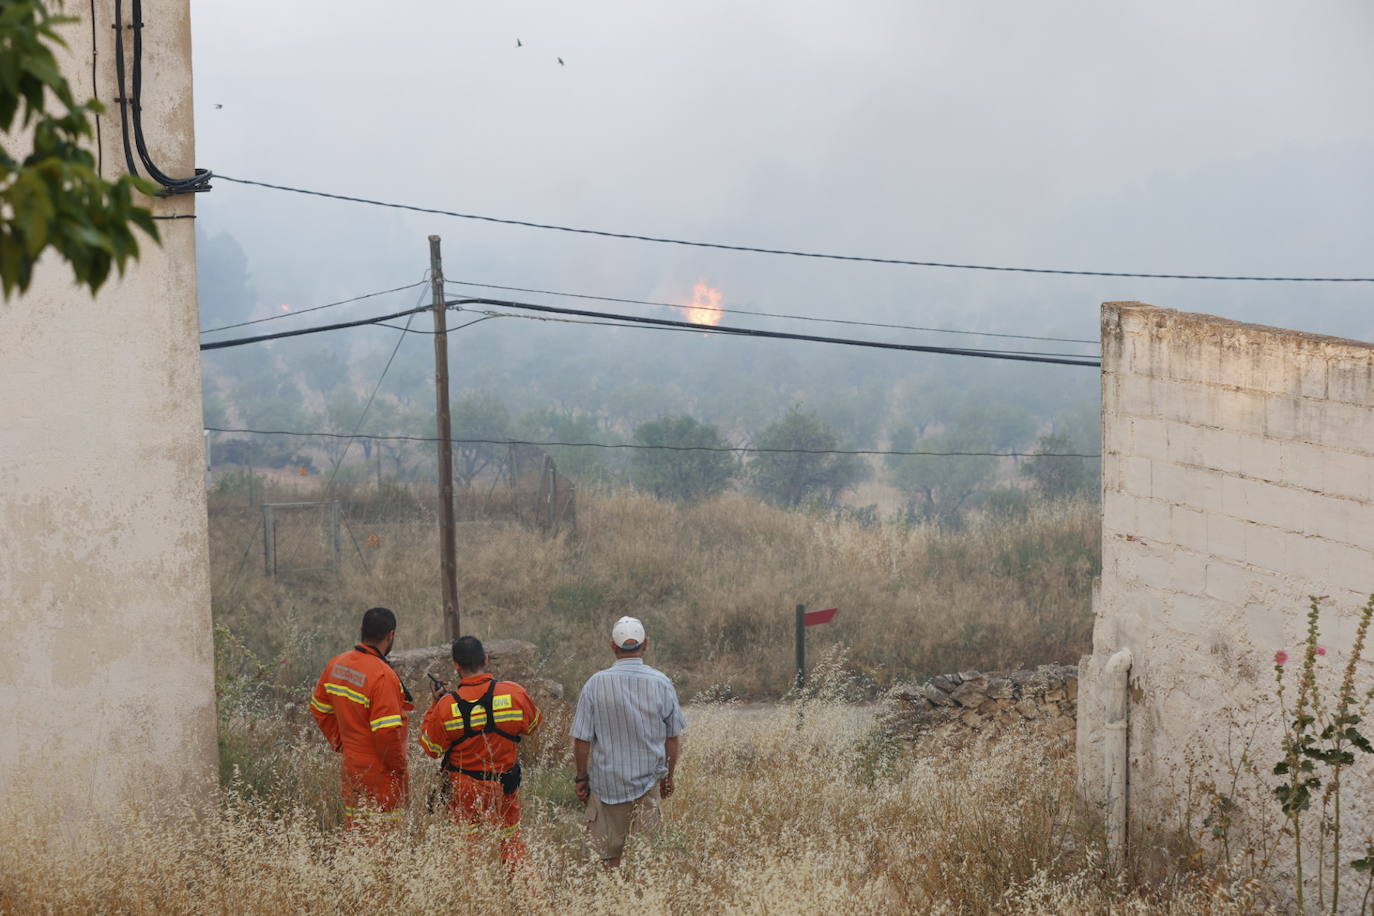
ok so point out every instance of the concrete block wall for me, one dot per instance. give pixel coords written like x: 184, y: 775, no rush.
x: 1237, y: 480
x: 108, y: 690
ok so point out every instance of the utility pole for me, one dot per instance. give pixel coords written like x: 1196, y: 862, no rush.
x: 448, y: 541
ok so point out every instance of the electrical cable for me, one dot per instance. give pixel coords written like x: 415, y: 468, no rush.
x: 95, y: 94
x: 733, y: 311
x: 240, y: 341
x: 1065, y: 359
x: 315, y: 308
x: 736, y: 449
x: 692, y: 328
x: 1014, y: 355
x: 486, y: 316
x: 721, y: 246
x: 123, y: 97
x: 198, y: 182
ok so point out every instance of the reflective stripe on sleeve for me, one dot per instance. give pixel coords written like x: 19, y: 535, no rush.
x: 385, y: 722
x: 339, y: 690
x: 430, y: 745
x: 321, y: 707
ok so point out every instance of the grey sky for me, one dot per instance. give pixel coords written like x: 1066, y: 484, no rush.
x: 1222, y: 136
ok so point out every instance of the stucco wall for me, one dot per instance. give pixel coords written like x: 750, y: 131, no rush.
x: 108, y: 688
x: 1237, y: 479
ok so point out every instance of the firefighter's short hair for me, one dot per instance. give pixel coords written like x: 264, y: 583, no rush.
x: 377, y: 622
x: 469, y: 653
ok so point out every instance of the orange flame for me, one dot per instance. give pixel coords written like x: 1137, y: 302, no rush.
x: 705, y: 306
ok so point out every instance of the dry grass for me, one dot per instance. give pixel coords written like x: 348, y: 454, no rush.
x: 777, y: 812
x: 715, y: 583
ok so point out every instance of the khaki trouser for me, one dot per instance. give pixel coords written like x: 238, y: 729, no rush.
x: 609, y: 825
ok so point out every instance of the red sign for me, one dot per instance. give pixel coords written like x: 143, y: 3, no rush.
x: 811, y: 618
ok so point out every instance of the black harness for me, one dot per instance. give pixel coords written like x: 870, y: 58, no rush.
x: 510, y: 779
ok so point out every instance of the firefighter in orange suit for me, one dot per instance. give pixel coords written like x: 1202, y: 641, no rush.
x: 476, y: 731
x: 361, y: 706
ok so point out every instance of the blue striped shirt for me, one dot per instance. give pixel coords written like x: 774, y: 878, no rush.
x: 626, y: 712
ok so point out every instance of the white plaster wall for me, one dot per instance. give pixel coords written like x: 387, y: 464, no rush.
x: 108, y: 689
x: 1237, y: 480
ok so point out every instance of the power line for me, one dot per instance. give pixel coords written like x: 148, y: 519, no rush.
x: 663, y: 323
x: 736, y: 449
x: 240, y: 341
x: 1063, y: 359
x: 691, y: 328
x: 733, y: 311
x: 315, y: 308
x: 902, y: 262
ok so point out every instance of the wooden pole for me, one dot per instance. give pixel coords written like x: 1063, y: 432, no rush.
x: 269, y: 541
x: 448, y: 541
x: 801, y: 646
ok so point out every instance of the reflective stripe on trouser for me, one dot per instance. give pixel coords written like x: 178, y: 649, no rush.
x: 479, y: 807
x: 372, y: 796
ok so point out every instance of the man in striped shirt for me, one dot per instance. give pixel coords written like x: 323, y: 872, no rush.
x: 625, y: 744
x: 362, y: 707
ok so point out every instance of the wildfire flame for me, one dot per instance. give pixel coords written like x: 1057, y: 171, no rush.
x: 705, y: 306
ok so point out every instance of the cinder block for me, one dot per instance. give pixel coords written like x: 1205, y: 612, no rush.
x: 1145, y: 564
x: 1226, y: 537
x: 1188, y: 445
x: 1135, y: 476
x: 1349, y: 568
x: 1260, y: 458
x: 1274, y: 550
x: 1326, y: 517
x: 1119, y: 512
x: 1153, y: 520
x: 1304, y: 465
x: 1198, y: 488
x: 1345, y: 474
x: 1351, y: 380
x: 1311, y: 377
x: 1281, y: 507
x: 1135, y: 396
x: 1360, y: 525
x: 1281, y: 418
x: 1348, y: 427
x: 1236, y: 494
x: 1229, y: 583
x: 1188, y: 572
x: 1149, y: 438
x: 1188, y: 528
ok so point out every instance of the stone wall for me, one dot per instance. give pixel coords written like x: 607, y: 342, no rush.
x: 974, y: 702
x: 108, y: 691
x: 1237, y: 479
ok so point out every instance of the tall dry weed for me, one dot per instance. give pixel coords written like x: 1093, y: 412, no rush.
x: 716, y: 583
x: 773, y: 815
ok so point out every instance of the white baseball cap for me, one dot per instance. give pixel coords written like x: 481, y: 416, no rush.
x: 628, y: 633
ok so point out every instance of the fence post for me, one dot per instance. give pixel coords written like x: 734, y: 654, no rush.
x: 335, y: 542
x: 269, y: 541
x: 801, y: 646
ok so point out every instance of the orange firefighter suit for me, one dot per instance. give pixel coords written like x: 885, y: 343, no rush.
x: 361, y: 706
x: 476, y: 731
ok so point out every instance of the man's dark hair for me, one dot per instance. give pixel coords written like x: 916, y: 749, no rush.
x: 468, y: 653
x: 377, y: 622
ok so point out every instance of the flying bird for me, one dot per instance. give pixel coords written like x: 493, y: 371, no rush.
x: 518, y: 44
x: 560, y: 62
x: 218, y: 105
